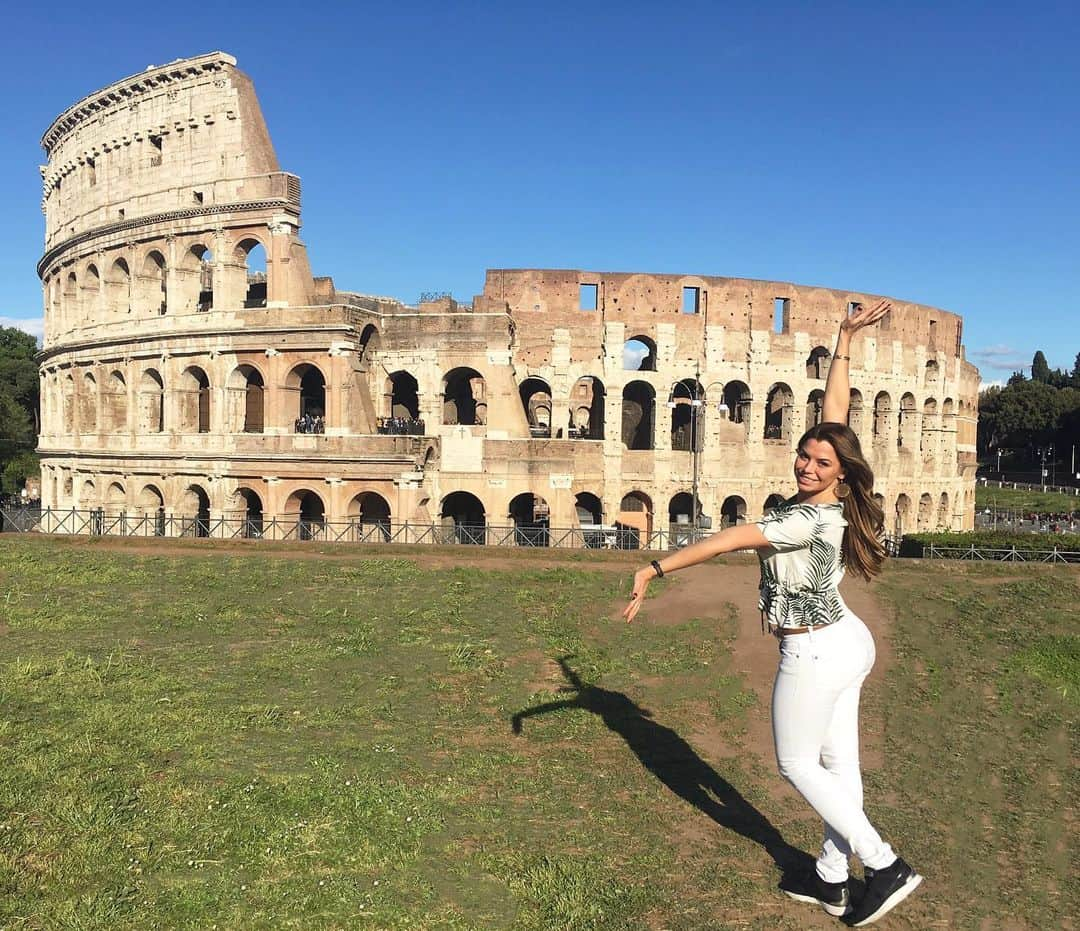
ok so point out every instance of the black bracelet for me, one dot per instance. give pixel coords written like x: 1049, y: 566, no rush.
x: 659, y: 572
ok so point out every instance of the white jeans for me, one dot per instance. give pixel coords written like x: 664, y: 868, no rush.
x: 815, y: 713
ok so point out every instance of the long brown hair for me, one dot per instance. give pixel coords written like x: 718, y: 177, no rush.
x: 863, y: 550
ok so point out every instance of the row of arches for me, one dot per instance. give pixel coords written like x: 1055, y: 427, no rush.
x: 114, y: 288
x: 84, y: 406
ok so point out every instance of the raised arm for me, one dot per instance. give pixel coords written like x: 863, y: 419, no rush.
x: 838, y: 387
x: 742, y: 537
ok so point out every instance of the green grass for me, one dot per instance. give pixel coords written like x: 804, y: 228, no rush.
x: 1030, y: 502
x: 231, y: 738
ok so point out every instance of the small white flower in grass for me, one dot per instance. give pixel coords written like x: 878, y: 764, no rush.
x: 376, y: 882
x: 408, y: 819
x: 322, y: 882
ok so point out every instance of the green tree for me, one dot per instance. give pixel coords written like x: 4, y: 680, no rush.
x: 18, y: 469
x: 18, y: 402
x: 1076, y: 372
x: 1040, y: 370
x: 1027, y: 412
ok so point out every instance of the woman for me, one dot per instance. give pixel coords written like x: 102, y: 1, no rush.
x: 833, y: 523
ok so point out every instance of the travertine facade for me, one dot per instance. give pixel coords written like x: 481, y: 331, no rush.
x: 174, y: 375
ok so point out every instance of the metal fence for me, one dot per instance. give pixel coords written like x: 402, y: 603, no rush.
x: 1003, y: 554
x: 98, y: 522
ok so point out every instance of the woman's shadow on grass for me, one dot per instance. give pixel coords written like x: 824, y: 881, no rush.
x: 675, y: 763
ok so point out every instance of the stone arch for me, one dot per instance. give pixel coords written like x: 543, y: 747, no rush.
x: 908, y: 422
x: 115, y: 404
x: 882, y: 413
x: 250, y: 501
x: 402, y: 393
x: 639, y: 354
x: 681, y: 509
x: 531, y: 516
x: 931, y: 372
x: 773, y: 501
x: 370, y: 342
x: 308, y: 510
x: 246, y: 399
x: 151, y: 503
x: 71, y: 299
x: 903, y: 515
x: 685, y: 400
x: 855, y: 411
x: 151, y: 402
x: 153, y: 289
x: 118, y: 289
x: 194, y: 510
x: 91, y: 296
x: 588, y: 508
x: 68, y: 405
x: 88, y: 404
x: 308, y: 383
x: 464, y: 397
x: 739, y: 402
x: 535, y: 396
x: 817, y: 363
x: 944, y: 518
x: 250, y: 255
x: 926, y: 513
x: 193, y: 401
x: 779, y: 407
x: 196, y: 278
x: 815, y: 408
x: 372, y: 512
x: 929, y: 425
x: 732, y: 511
x: 638, y: 415
x: 88, y: 495
x: 587, y: 408
x: 635, y: 516
x: 464, y: 514
x: 115, y: 499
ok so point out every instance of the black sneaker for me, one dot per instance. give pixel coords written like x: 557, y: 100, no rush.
x: 885, y: 889
x: 809, y: 887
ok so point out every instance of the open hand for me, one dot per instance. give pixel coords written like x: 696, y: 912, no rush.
x: 641, y: 583
x: 864, y: 316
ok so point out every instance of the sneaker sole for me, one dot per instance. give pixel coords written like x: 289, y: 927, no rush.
x: 837, y: 911
x: 892, y: 901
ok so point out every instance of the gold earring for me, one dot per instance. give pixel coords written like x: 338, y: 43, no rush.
x: 842, y: 489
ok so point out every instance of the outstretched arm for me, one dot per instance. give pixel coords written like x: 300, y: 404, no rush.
x: 743, y: 537
x: 838, y: 386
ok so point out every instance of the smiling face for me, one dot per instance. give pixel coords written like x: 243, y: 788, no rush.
x: 817, y: 470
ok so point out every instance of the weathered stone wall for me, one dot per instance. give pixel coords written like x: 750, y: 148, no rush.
x: 174, y: 380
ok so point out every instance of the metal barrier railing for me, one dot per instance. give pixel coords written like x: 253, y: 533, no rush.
x: 1003, y: 554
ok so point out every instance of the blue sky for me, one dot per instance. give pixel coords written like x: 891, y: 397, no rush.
x: 922, y: 150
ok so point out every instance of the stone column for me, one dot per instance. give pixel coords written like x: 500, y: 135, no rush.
x: 277, y: 262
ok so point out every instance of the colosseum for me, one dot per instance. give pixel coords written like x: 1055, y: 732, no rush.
x: 197, y: 379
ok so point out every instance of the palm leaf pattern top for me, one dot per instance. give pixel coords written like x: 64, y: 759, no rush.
x: 800, y: 574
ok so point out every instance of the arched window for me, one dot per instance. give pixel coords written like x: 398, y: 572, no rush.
x: 738, y: 400
x: 194, y: 401
x: 588, y: 508
x: 118, y: 289
x: 928, y: 434
x: 115, y: 499
x: 372, y: 512
x: 536, y: 400
x: 403, y: 396
x: 370, y: 341
x: 855, y: 411
x: 531, y: 516
x: 773, y: 501
x: 464, y: 398
x: 88, y: 404
x: 638, y: 411
x: 71, y: 300
x: 91, y: 294
x: 251, y: 255
x: 908, y: 423
x: 815, y: 406
x: 778, y: 407
x: 153, y: 285
x: 194, y: 510
x: 151, y: 402
x: 817, y: 363
x: 639, y: 354
x: 245, y: 400
x: 587, y: 409
x: 68, y: 403
x: 944, y: 521
x: 200, y: 269
x: 931, y: 374
x: 732, y: 511
x: 307, y: 509
x: 685, y: 402
x: 903, y: 511
x: 464, y: 514
x: 253, y: 513
x: 882, y: 413
x: 926, y: 513
x: 635, y: 520
x: 681, y: 509
x: 151, y: 504
x: 308, y: 384
x: 115, y: 407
